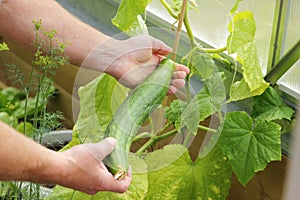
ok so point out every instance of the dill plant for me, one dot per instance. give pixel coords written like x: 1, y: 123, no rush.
x: 38, y: 88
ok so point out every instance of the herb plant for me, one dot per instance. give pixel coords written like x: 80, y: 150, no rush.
x: 25, y: 109
x: 243, y: 143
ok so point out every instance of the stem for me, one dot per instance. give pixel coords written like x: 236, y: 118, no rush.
x: 208, y: 50
x: 204, y: 128
x: 178, y: 31
x: 153, y: 140
x: 189, y: 30
x: 169, y: 9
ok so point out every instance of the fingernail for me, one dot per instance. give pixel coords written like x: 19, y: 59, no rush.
x: 112, y: 140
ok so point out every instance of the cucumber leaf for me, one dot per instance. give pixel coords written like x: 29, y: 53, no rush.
x: 128, y: 12
x: 252, y: 83
x: 203, y: 65
x: 242, y: 30
x: 98, y: 101
x: 249, y: 146
x: 269, y: 106
x: 173, y: 175
x: 137, y: 189
x: 207, y: 101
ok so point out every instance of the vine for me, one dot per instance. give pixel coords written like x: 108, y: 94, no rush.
x: 242, y: 143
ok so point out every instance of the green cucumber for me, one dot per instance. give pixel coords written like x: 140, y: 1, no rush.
x: 135, y: 109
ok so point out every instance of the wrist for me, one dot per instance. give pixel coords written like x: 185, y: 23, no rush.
x: 48, y: 170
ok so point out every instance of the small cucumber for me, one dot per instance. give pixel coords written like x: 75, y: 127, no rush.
x: 135, y: 109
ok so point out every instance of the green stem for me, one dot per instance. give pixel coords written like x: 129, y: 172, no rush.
x: 169, y: 9
x: 204, y: 128
x: 189, y: 29
x: 208, y: 50
x: 154, y: 139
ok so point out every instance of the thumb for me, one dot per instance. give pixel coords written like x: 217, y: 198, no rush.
x: 101, y: 149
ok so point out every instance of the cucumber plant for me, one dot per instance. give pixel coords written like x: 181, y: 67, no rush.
x: 243, y: 142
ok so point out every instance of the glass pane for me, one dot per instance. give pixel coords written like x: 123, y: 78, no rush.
x: 210, y: 20
x: 290, y: 81
x: 292, y: 26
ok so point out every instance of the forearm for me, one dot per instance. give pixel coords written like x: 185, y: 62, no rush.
x: 24, y: 159
x: 16, y: 25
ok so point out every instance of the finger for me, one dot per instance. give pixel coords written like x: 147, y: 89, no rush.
x: 178, y: 83
x: 172, y: 90
x: 179, y: 75
x: 102, y: 149
x: 180, y: 67
x: 122, y: 186
x: 159, y: 47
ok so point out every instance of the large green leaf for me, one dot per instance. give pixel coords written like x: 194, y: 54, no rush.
x: 207, y: 101
x: 98, y: 101
x: 253, y: 83
x: 128, y: 12
x: 203, y: 65
x: 252, y: 73
x: 269, y: 106
x: 249, y: 146
x: 173, y: 175
x: 242, y: 30
x: 137, y: 189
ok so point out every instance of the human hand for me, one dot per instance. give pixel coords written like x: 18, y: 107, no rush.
x: 86, y: 172
x: 131, y: 60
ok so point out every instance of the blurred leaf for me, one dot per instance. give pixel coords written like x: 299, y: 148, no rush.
x: 207, y: 101
x: 98, y: 101
x: 8, y: 119
x: 128, y: 12
x: 269, y: 106
x: 203, y: 65
x: 249, y: 146
x: 173, y: 175
x: 253, y: 83
x: 242, y: 30
x: 28, y: 127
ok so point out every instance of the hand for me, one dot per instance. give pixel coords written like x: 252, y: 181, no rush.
x: 131, y: 60
x: 86, y: 172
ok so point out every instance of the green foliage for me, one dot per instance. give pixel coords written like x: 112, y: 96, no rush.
x: 173, y: 175
x: 26, y: 108
x: 242, y: 144
x: 242, y: 30
x: 128, y: 12
x: 3, y: 47
x: 98, y: 107
x: 173, y: 112
x: 252, y: 83
x: 241, y: 41
x: 269, y: 106
x: 26, y: 127
x: 249, y: 146
x: 205, y: 103
x: 203, y: 65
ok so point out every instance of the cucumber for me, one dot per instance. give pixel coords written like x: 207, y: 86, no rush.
x: 135, y: 109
